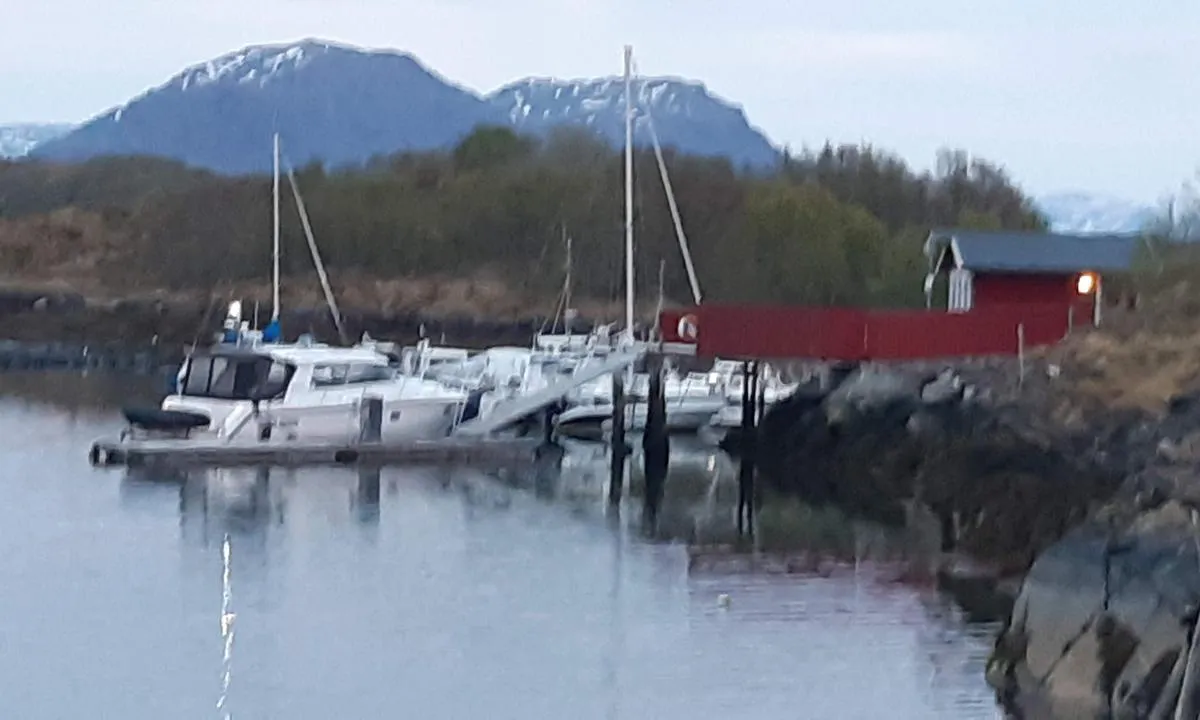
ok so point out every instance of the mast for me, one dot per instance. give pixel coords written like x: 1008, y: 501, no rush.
x: 275, y: 239
x: 629, y: 192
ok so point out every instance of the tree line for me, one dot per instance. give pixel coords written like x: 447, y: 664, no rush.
x: 835, y: 225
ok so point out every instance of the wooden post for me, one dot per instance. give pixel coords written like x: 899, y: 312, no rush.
x: 370, y: 419
x: 1020, y: 354
x: 656, y: 444
x: 745, y: 517
x: 617, y: 467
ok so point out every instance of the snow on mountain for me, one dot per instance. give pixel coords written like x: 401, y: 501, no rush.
x: 329, y: 102
x: 343, y: 105
x: 1081, y: 212
x: 684, y: 114
x: 18, y: 139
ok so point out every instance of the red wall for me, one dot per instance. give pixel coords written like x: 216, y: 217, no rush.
x: 992, y: 290
x: 739, y: 331
x: 1049, y: 290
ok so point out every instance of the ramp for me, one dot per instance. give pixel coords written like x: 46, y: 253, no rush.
x: 510, y: 411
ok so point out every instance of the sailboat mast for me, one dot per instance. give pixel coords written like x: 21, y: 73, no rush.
x: 275, y: 238
x: 629, y: 191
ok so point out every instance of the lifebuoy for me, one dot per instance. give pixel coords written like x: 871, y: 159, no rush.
x: 687, y: 328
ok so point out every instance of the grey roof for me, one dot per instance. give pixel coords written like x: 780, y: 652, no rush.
x: 1033, y: 252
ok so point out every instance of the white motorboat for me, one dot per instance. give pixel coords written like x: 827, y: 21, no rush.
x: 728, y: 419
x: 302, y: 391
x: 691, y: 400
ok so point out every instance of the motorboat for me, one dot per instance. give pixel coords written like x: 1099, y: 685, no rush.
x: 727, y: 421
x: 301, y: 391
x: 691, y: 400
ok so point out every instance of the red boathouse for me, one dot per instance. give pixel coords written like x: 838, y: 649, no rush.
x: 1004, y: 290
x: 989, y: 269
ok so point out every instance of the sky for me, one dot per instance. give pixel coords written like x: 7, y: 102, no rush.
x: 1090, y: 95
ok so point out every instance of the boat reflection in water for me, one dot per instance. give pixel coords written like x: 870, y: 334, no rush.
x: 457, y: 593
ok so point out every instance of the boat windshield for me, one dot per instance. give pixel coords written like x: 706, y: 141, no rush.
x: 235, y: 377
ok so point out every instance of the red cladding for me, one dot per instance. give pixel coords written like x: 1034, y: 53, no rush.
x: 739, y: 331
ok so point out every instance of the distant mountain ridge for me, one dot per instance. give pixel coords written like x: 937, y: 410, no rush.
x: 1081, y: 212
x: 19, y: 139
x: 343, y: 105
x: 684, y: 114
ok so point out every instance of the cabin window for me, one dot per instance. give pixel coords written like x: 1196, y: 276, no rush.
x: 200, y: 372
x: 368, y: 373
x: 326, y: 375
x: 349, y: 374
x: 276, y: 381
x: 235, y: 378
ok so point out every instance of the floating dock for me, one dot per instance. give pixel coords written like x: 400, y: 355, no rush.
x: 203, y: 453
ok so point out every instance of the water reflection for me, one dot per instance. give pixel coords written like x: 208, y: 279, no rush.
x: 447, y: 593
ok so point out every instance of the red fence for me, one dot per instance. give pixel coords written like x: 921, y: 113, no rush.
x: 843, y: 334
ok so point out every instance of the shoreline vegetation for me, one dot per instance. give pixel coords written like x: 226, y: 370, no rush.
x: 482, y: 229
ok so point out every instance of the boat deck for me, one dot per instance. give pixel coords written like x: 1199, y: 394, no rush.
x: 183, y: 452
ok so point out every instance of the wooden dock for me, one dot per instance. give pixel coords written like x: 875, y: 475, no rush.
x: 203, y: 453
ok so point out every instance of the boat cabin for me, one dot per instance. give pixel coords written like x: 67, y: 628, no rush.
x: 235, y: 374
x: 269, y: 372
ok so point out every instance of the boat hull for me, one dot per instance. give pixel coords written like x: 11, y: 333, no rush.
x: 403, y: 419
x: 591, y: 421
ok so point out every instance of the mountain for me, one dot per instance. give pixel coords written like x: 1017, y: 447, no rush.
x: 343, y: 105
x: 18, y: 139
x: 329, y: 102
x: 684, y: 114
x: 1080, y: 212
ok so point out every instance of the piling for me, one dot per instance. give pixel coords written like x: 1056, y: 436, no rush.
x: 370, y: 419
x: 617, y: 469
x: 656, y: 448
x: 745, y: 512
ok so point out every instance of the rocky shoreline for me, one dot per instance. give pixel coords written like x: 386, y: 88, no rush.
x: 1040, y: 486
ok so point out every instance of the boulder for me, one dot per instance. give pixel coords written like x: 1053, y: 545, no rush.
x: 947, y: 387
x: 1102, y: 618
x: 870, y: 389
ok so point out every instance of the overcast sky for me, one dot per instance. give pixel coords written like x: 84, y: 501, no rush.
x: 1098, y: 95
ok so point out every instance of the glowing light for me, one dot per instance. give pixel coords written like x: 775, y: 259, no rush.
x: 1085, y: 284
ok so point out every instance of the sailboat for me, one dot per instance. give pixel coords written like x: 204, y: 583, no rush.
x: 691, y: 400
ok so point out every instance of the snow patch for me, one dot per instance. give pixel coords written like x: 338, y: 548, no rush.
x: 20, y: 139
x: 1081, y: 212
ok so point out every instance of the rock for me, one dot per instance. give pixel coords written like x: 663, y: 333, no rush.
x: 870, y: 389
x: 1183, y: 404
x: 1063, y: 649
x: 946, y: 387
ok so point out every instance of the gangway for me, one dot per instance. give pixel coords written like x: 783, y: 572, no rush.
x: 522, y: 406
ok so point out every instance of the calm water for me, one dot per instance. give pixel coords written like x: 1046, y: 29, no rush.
x: 414, y: 593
